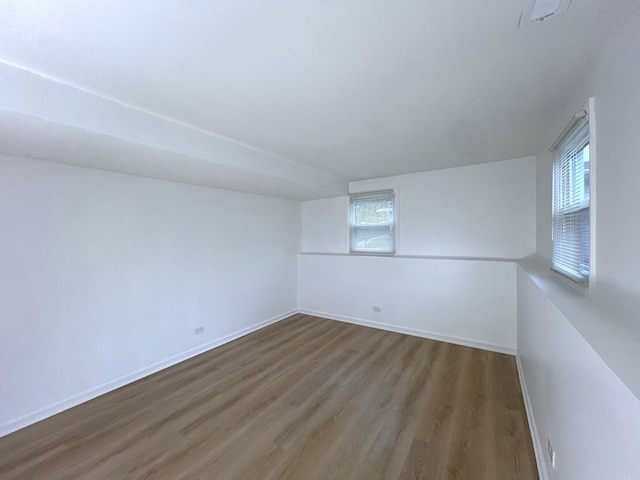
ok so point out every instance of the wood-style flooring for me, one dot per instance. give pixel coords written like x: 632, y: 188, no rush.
x: 306, y: 398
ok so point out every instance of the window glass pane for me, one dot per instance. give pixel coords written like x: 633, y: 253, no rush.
x: 587, y: 172
x: 372, y: 222
x: 374, y: 212
x: 372, y: 239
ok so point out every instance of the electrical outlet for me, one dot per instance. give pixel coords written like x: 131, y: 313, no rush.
x: 198, y: 330
x: 377, y: 309
x: 551, y: 452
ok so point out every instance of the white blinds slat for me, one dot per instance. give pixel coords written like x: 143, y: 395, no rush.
x: 571, y: 200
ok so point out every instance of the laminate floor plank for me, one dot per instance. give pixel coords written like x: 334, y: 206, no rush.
x: 306, y: 398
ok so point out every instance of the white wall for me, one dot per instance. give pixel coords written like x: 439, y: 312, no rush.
x: 446, y: 280
x: 613, y: 80
x: 479, y: 211
x: 466, y: 302
x: 573, y: 397
x: 105, y: 276
x: 484, y: 211
x: 325, y: 225
x: 580, y: 355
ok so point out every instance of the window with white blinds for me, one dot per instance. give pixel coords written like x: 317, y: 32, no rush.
x: 372, y: 219
x: 571, y: 201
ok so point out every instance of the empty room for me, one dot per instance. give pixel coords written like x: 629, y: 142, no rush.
x: 319, y: 240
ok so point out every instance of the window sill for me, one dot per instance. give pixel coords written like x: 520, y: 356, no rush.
x: 419, y: 257
x: 373, y: 254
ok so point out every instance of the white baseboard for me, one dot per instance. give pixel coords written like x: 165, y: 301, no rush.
x: 538, y: 447
x: 62, y: 405
x: 466, y: 342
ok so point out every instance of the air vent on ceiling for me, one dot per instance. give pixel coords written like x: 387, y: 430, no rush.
x: 535, y: 11
x: 543, y: 9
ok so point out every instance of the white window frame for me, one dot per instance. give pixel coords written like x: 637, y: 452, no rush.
x: 379, y: 194
x: 585, y: 282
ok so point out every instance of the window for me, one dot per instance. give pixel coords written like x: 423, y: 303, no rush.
x: 571, y: 202
x: 372, y: 219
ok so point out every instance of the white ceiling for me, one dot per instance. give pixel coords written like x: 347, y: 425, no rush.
x: 300, y: 96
